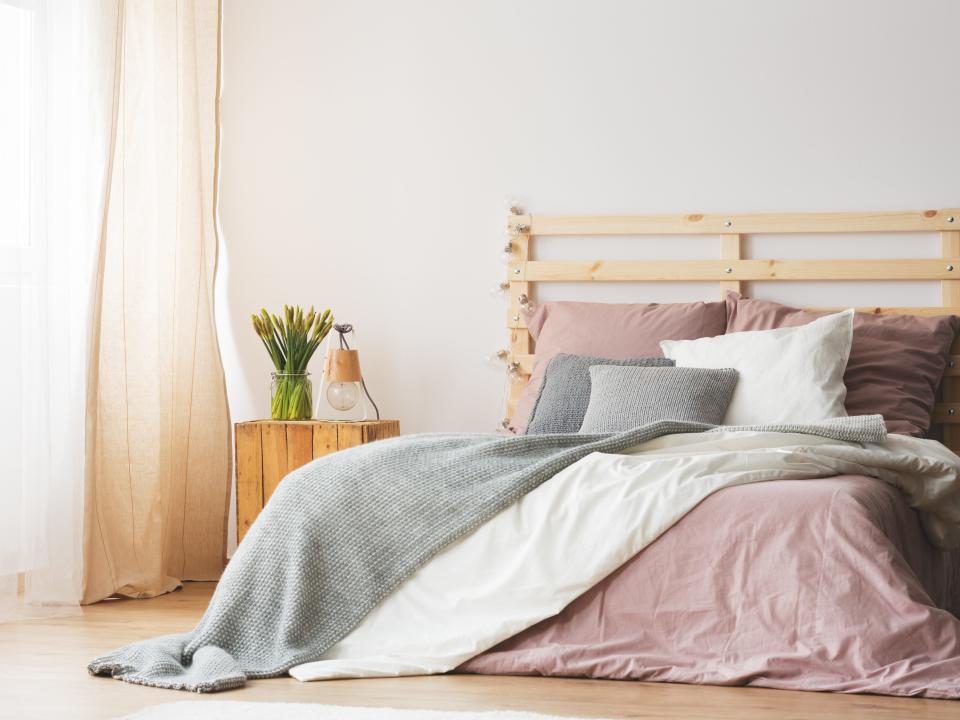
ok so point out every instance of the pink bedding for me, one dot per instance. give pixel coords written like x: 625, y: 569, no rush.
x: 806, y: 585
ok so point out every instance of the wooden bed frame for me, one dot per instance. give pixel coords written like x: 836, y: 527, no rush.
x: 733, y: 269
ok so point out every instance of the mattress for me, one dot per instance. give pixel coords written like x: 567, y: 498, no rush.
x: 824, y: 584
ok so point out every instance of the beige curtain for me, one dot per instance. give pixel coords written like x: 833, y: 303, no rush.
x: 158, y: 434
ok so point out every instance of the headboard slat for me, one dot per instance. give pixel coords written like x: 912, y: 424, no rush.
x: 726, y: 270
x: 700, y: 224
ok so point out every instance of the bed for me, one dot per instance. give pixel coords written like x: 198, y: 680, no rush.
x: 779, y: 571
x: 658, y: 551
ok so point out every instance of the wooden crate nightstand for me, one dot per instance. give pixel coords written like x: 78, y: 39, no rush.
x: 266, y: 450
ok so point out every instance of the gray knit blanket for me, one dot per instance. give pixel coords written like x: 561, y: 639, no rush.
x: 343, y: 532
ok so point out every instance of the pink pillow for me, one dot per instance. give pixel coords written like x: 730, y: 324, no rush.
x: 896, y: 361
x: 609, y: 330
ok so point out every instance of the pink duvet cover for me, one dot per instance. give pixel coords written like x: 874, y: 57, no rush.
x: 806, y: 585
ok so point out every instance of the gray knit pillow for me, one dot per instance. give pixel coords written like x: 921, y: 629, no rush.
x: 565, y: 391
x: 622, y: 398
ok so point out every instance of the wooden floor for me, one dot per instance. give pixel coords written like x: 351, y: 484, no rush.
x: 43, y: 675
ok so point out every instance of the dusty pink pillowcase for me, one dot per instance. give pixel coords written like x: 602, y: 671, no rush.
x: 895, y: 365
x: 611, y: 330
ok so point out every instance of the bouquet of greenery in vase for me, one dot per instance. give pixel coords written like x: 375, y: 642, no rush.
x: 291, y: 341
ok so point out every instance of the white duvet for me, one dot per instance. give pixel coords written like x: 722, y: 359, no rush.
x: 534, y: 558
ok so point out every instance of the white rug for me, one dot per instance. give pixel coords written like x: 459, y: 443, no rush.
x: 220, y: 710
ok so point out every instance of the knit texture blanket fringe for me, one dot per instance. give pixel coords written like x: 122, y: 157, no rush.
x: 343, y: 532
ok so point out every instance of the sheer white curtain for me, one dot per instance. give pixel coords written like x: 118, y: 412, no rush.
x: 58, y: 66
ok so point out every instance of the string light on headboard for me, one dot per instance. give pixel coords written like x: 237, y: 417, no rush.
x: 514, y: 209
x: 499, y: 356
x: 500, y: 288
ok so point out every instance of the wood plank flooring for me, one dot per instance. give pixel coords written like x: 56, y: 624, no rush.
x: 43, y: 675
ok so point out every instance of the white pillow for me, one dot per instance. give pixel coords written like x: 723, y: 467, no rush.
x: 792, y: 374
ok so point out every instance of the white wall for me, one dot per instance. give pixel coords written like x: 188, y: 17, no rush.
x: 368, y: 147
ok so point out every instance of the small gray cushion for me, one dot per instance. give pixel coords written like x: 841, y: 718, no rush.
x: 622, y: 398
x: 566, y: 391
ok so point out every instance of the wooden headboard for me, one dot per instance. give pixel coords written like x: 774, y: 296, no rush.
x: 524, y: 272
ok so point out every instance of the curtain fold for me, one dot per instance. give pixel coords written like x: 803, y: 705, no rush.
x: 158, y: 432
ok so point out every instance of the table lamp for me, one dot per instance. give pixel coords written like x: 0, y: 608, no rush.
x: 343, y: 385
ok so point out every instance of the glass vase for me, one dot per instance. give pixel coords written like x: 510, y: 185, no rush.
x: 291, y: 396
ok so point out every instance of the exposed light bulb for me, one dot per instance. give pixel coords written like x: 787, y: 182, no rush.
x: 500, y: 288
x: 343, y: 395
x: 498, y: 356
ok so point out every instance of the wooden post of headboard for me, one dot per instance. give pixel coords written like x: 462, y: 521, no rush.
x: 950, y: 297
x: 519, y: 233
x: 731, y: 248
